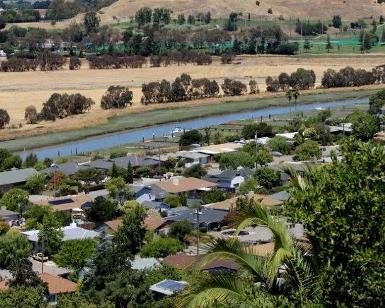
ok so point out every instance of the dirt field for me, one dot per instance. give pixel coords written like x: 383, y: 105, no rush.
x: 19, y: 90
x: 123, y: 10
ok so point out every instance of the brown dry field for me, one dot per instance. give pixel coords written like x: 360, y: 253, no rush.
x: 313, y: 9
x: 19, y: 90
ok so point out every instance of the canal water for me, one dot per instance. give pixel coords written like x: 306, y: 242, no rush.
x: 136, y: 135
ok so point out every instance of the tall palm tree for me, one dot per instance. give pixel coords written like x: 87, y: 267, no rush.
x: 285, y: 276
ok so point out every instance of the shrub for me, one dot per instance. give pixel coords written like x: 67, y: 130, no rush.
x: 161, y: 247
x: 180, y: 229
x: 233, y: 87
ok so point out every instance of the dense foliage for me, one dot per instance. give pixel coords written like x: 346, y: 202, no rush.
x: 341, y: 205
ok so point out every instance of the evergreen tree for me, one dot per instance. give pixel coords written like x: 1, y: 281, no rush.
x: 129, y: 173
x: 328, y: 44
x: 306, y: 45
x: 114, y: 171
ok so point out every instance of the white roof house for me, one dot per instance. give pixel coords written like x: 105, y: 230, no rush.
x: 71, y: 232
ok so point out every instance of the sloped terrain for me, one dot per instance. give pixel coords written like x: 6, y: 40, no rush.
x: 314, y: 9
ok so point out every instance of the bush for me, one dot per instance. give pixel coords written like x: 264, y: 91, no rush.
x: 4, y: 118
x: 235, y: 160
x: 348, y: 77
x: 280, y: 144
x: 180, y: 229
x: 161, y: 247
x: 213, y: 195
x: 116, y: 97
x: 195, y: 171
x: 173, y: 201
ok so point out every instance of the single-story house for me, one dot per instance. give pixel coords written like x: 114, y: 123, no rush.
x: 71, y: 232
x: 178, y: 185
x: 184, y: 261
x: 69, y: 169
x: 231, y: 179
x: 136, y: 161
x: 215, y: 149
x: 15, y: 177
x: 208, y: 218
x: 344, y: 128
x: 193, y: 158
x: 153, y: 222
x: 144, y: 263
x: 228, y: 204
x: 168, y: 287
x: 75, y: 204
x: 181, y: 261
x: 56, y: 285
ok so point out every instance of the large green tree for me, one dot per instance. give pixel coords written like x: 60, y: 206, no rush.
x: 364, y: 125
x: 50, y: 236
x: 130, y: 235
x: 15, y: 199
x: 74, y: 254
x: 342, y: 207
x: 13, y: 248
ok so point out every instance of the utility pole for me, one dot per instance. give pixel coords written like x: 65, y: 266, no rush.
x: 198, y: 213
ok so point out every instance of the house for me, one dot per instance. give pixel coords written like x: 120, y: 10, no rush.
x: 56, y: 286
x: 193, y: 158
x: 100, y: 164
x: 144, y: 263
x: 168, y: 287
x: 15, y: 177
x: 228, y: 204
x: 69, y: 169
x: 136, y: 161
x: 344, y: 128
x: 215, y: 149
x: 75, y: 204
x: 205, y: 217
x: 181, y: 261
x: 71, y: 232
x: 231, y: 179
x: 288, y: 136
x: 184, y: 261
x: 193, y: 187
x: 153, y: 222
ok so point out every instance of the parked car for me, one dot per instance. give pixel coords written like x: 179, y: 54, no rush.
x: 40, y: 257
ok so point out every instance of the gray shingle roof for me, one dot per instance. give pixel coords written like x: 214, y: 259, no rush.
x: 16, y: 176
x: 66, y: 168
x: 207, y: 216
x: 136, y: 161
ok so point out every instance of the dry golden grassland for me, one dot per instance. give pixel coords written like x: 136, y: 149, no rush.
x: 19, y: 90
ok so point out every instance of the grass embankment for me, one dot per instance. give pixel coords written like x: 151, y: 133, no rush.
x: 172, y: 114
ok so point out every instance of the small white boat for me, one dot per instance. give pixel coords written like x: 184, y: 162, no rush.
x: 320, y: 109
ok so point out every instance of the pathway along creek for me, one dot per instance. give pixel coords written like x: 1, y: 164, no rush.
x: 137, y: 135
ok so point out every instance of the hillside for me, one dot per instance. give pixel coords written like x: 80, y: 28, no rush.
x: 314, y: 9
